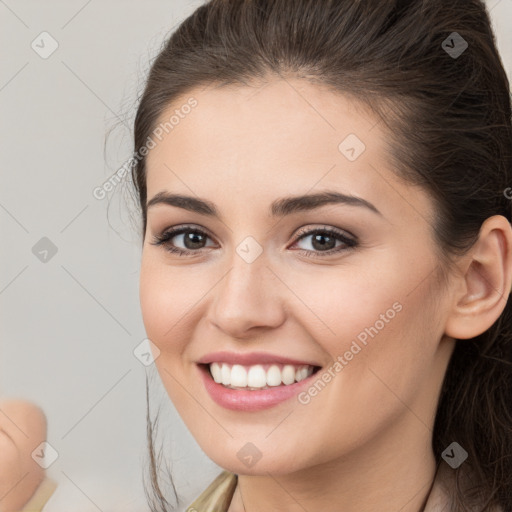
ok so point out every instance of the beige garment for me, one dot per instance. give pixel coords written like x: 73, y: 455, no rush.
x: 40, y: 496
x: 217, y: 496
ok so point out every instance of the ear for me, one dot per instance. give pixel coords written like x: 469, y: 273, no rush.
x: 485, y: 282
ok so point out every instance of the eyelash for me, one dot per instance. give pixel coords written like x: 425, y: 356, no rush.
x: 164, y: 239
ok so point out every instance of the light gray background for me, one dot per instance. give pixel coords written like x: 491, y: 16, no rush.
x: 69, y: 326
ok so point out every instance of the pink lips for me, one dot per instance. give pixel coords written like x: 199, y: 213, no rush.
x: 247, y: 400
x: 250, y: 358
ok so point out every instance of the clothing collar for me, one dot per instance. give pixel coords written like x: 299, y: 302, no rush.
x: 218, y: 495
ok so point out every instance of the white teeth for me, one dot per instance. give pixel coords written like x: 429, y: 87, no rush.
x: 299, y: 372
x: 255, y: 376
x: 226, y: 375
x: 274, y: 376
x: 216, y: 372
x: 288, y: 374
x: 238, y: 376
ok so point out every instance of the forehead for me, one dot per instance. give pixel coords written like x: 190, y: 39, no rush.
x: 280, y: 138
x: 283, y: 114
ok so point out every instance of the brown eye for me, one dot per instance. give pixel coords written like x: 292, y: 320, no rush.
x: 323, y: 240
x: 193, y: 240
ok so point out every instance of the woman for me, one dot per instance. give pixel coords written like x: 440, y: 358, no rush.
x: 327, y: 252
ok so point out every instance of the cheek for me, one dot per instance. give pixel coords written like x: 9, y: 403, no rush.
x: 339, y: 305
x: 153, y: 301
x: 167, y: 296
x: 382, y: 336
x: 163, y: 301
x: 388, y: 356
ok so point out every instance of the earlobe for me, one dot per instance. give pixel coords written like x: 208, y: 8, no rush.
x: 485, y: 282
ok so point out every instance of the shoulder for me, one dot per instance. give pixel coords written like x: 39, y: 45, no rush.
x: 217, y: 496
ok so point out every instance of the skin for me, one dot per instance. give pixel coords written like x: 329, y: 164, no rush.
x: 22, y: 429
x: 365, y: 439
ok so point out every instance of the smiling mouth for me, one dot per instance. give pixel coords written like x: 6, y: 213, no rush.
x: 258, y: 376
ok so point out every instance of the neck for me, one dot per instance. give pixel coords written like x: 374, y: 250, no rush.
x: 397, y: 469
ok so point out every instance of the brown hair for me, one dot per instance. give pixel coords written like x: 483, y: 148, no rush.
x: 449, y: 121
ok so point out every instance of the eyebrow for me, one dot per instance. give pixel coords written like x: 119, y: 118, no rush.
x: 279, y: 208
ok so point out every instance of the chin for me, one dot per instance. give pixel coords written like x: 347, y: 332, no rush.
x: 248, y: 460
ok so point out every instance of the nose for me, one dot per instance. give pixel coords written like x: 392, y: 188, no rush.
x: 248, y: 298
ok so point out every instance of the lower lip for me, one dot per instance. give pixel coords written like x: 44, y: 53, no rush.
x: 246, y: 400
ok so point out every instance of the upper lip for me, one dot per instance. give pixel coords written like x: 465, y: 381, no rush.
x: 250, y: 358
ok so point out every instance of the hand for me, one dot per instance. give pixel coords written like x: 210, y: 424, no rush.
x: 22, y: 428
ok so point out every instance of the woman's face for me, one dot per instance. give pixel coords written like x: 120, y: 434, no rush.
x: 359, y: 300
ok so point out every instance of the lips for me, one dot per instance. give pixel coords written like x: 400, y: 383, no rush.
x: 249, y: 400
x: 253, y: 397
x: 252, y: 358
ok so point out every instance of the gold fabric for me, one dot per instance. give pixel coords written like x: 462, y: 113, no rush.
x: 41, y: 496
x: 217, y: 496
